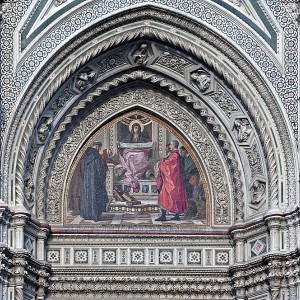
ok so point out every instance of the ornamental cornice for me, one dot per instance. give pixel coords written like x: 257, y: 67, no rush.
x: 288, y: 216
x: 165, y: 244
x: 274, y: 221
x: 197, y: 275
x: 38, y: 270
x: 20, y: 219
x: 166, y: 230
x: 6, y: 262
x: 130, y: 238
x: 78, y: 273
x: 248, y: 229
x: 158, y: 283
x: 272, y: 270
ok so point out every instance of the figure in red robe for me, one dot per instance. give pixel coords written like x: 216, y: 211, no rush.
x: 170, y: 184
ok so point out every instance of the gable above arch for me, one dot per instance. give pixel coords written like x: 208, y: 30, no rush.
x: 48, y: 14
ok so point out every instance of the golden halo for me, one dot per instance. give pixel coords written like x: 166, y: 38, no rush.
x: 138, y: 122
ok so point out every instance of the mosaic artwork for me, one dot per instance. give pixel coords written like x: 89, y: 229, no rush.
x: 139, y: 171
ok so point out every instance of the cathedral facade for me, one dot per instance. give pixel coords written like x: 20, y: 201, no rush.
x: 149, y: 149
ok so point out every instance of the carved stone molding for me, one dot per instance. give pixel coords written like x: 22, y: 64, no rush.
x: 254, y: 159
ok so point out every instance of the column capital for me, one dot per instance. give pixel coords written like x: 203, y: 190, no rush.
x: 20, y: 219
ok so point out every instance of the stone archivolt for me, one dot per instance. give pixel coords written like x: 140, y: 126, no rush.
x: 55, y: 118
x: 200, y: 54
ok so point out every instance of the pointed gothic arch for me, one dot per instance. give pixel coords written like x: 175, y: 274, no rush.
x: 162, y: 125
x: 200, y: 53
x: 181, y: 121
x: 216, y: 88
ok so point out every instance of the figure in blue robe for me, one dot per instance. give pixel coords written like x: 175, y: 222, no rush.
x: 94, y: 194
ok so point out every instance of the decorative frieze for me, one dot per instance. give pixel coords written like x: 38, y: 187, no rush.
x: 173, y: 62
x: 139, y: 285
x: 144, y: 256
x: 223, y: 100
x: 110, y: 62
x: 53, y: 256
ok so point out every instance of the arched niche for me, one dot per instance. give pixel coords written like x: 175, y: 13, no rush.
x: 175, y: 116
x: 129, y: 187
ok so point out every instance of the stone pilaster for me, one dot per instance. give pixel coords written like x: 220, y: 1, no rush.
x: 239, y: 285
x: 275, y: 276
x: 19, y: 264
x: 19, y: 221
x: 43, y: 282
x: 274, y: 225
x: 41, y: 238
